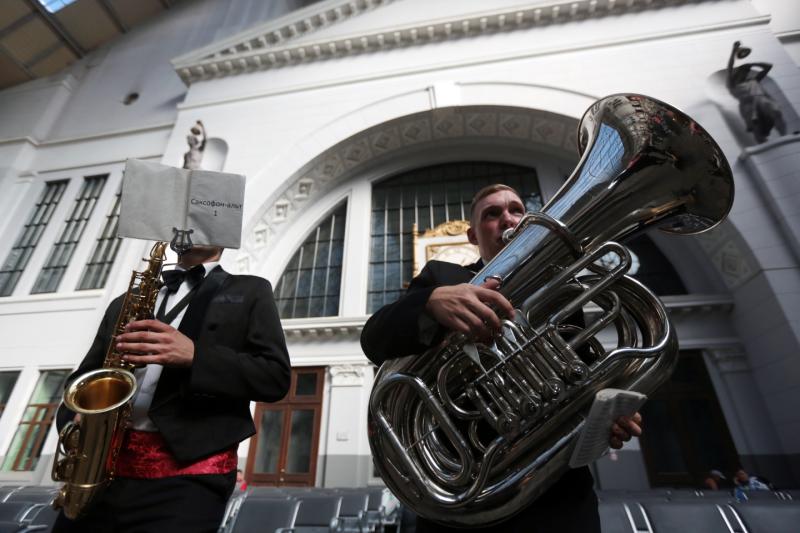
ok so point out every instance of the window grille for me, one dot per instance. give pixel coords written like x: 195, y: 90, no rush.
x: 95, y: 274
x: 26, y: 446
x: 309, y: 287
x: 26, y: 242
x: 61, y: 253
x: 428, y: 197
x: 7, y: 382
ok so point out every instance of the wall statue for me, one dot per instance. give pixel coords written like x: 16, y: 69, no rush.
x: 758, y: 109
x: 197, y: 143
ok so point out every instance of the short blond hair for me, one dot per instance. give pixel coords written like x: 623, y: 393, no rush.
x: 486, y: 191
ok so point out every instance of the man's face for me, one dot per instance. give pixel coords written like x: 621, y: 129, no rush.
x: 493, y: 214
x: 198, y: 254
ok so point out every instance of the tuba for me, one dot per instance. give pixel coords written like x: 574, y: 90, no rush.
x: 87, y: 450
x: 469, y: 433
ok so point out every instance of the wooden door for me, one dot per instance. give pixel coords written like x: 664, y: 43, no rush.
x: 285, y: 448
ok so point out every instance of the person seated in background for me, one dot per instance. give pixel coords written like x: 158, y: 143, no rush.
x: 745, y: 481
x: 716, y: 480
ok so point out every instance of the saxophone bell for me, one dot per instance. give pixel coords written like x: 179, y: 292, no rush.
x: 88, y: 447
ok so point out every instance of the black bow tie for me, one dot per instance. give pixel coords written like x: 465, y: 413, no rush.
x: 174, y: 278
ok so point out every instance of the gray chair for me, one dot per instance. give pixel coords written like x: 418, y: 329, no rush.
x: 382, y: 509
x: 317, y: 513
x: 632, y: 495
x: 352, y: 514
x: 685, y: 516
x: 11, y: 527
x: 15, y: 511
x: 614, y: 517
x: 265, y: 516
x: 770, y: 517
x: 33, y: 496
x: 43, y: 517
x: 268, y: 493
x: 760, y: 496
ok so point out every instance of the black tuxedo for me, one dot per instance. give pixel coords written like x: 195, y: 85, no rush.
x: 240, y: 356
x: 404, y: 328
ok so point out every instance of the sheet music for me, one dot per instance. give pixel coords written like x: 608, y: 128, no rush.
x: 157, y: 198
x: 609, y: 404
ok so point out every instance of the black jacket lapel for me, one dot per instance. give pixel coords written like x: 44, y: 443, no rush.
x: 196, y: 312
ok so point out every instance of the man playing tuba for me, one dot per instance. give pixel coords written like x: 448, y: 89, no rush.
x: 439, y: 300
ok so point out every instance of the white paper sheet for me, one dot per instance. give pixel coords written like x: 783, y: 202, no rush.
x: 157, y: 198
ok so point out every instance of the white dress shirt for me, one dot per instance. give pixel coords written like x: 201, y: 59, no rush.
x: 147, y: 377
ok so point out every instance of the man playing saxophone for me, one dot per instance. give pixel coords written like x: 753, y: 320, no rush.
x: 439, y: 300
x: 215, y: 345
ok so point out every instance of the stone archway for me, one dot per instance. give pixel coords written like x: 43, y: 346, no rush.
x: 520, y: 129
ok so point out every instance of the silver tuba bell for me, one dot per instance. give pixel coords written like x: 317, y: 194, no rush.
x: 468, y: 434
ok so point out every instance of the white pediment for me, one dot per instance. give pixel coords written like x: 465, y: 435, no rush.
x: 337, y: 28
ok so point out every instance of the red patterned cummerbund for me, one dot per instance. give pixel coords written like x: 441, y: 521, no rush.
x: 145, y: 455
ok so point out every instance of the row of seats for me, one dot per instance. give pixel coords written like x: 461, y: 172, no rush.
x: 306, y: 510
x: 688, y: 511
x: 26, y: 509
x: 695, y: 494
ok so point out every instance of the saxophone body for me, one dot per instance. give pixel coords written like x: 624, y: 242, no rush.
x: 468, y: 434
x: 87, y: 449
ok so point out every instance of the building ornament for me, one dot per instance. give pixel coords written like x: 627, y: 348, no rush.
x: 532, y: 127
x: 451, y: 228
x: 323, y: 329
x: 730, y: 359
x: 273, y: 46
x: 347, y: 375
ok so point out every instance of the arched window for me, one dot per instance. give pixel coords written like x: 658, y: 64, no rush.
x: 428, y: 196
x: 654, y: 269
x: 649, y: 266
x: 309, y: 287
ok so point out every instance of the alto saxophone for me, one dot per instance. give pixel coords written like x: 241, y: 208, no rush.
x: 88, y: 448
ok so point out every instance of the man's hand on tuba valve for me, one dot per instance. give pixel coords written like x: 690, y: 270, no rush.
x: 470, y: 309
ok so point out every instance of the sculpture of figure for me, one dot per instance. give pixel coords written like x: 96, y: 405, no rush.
x: 759, y: 110
x: 197, y: 143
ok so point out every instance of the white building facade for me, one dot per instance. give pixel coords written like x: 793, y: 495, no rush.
x: 335, y: 111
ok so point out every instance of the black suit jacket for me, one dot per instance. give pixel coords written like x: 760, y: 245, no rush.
x: 240, y: 356
x: 404, y: 328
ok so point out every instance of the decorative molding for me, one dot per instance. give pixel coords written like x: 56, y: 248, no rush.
x: 347, y: 375
x: 446, y: 242
x: 91, y: 137
x: 729, y: 253
x: 729, y: 360
x: 323, y: 329
x: 271, y: 46
x: 349, y: 328
x: 320, y: 175
x: 688, y: 304
x: 452, y: 228
x: 750, y: 151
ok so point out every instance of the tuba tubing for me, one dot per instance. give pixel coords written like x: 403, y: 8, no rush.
x: 468, y: 434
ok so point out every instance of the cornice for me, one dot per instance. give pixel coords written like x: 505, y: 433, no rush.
x: 348, y: 328
x: 326, y: 328
x: 253, y: 47
x: 272, y: 46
